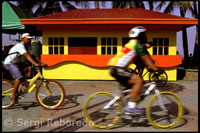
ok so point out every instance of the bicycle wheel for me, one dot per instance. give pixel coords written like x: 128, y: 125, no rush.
x: 161, y: 80
x: 96, y: 116
x: 7, y: 90
x: 164, y: 118
x: 50, y: 94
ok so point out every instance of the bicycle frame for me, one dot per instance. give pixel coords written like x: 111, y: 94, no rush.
x: 152, y: 86
x: 31, y: 85
x: 32, y: 81
x: 143, y: 72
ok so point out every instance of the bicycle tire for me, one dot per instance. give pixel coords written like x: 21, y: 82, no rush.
x: 153, y: 110
x: 7, y: 103
x: 92, y: 111
x: 161, y: 80
x: 53, y: 101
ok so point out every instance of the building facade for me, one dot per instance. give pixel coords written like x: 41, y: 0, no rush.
x: 78, y: 44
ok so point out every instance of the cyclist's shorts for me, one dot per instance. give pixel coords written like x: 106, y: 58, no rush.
x: 122, y: 75
x: 139, y: 63
x: 17, y: 70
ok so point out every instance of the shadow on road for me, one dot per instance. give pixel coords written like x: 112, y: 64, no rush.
x: 25, y: 105
x: 172, y: 87
x: 73, y: 99
x: 69, y: 99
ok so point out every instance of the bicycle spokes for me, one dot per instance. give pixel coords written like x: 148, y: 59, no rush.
x: 50, y: 94
x: 164, y: 110
x: 97, y: 114
x: 7, y: 90
x: 161, y: 79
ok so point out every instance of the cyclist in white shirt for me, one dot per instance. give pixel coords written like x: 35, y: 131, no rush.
x: 12, y: 62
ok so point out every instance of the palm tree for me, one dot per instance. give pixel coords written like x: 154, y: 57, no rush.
x: 84, y: 4
x: 132, y: 4
x: 196, y: 47
x: 183, y: 7
x: 96, y: 4
x: 45, y: 7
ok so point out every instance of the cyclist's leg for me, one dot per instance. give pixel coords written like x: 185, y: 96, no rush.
x: 14, y: 70
x: 29, y: 71
x: 127, y: 78
x: 136, y: 82
x: 29, y: 67
x: 25, y: 67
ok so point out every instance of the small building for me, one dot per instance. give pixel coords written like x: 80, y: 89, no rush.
x: 77, y: 44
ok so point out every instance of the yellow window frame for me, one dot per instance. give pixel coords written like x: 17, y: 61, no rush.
x: 109, y: 49
x: 58, y: 45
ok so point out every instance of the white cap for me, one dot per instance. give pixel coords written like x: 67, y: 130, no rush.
x: 26, y: 35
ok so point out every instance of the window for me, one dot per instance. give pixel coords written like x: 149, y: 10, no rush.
x: 82, y: 45
x: 108, y: 45
x: 56, y: 45
x: 160, y: 46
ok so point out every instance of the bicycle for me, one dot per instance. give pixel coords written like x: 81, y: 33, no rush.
x: 102, y: 110
x: 161, y: 79
x: 50, y: 94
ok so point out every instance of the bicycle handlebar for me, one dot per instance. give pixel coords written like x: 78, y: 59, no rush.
x: 41, y: 66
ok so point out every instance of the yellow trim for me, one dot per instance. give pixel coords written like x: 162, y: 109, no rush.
x: 76, y: 71
x: 98, y: 45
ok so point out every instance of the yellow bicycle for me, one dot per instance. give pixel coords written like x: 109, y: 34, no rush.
x: 50, y: 94
x: 102, y: 110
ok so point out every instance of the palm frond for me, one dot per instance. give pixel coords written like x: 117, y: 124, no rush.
x: 162, y: 3
x: 170, y: 7
x: 68, y: 5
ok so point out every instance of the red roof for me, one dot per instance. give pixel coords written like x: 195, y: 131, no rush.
x: 109, y: 13
x: 122, y: 18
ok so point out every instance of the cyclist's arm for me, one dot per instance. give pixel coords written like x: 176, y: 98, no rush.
x: 29, y: 58
x: 37, y: 59
x: 148, y: 62
x: 147, y: 52
x: 149, y: 56
x: 142, y: 54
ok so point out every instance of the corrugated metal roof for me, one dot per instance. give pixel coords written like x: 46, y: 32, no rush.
x: 109, y: 13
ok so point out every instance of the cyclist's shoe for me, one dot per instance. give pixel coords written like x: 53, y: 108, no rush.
x: 134, y: 110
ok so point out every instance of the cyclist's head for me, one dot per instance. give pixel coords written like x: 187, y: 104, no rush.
x: 138, y: 32
x: 26, y: 38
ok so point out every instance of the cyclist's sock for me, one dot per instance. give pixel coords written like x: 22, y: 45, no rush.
x: 132, y: 104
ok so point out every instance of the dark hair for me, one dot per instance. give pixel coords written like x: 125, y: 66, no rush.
x: 142, y: 37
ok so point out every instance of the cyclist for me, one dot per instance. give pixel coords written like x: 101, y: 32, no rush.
x: 120, y: 62
x: 137, y: 60
x: 14, y: 66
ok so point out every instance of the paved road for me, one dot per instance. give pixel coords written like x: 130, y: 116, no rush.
x: 28, y: 116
